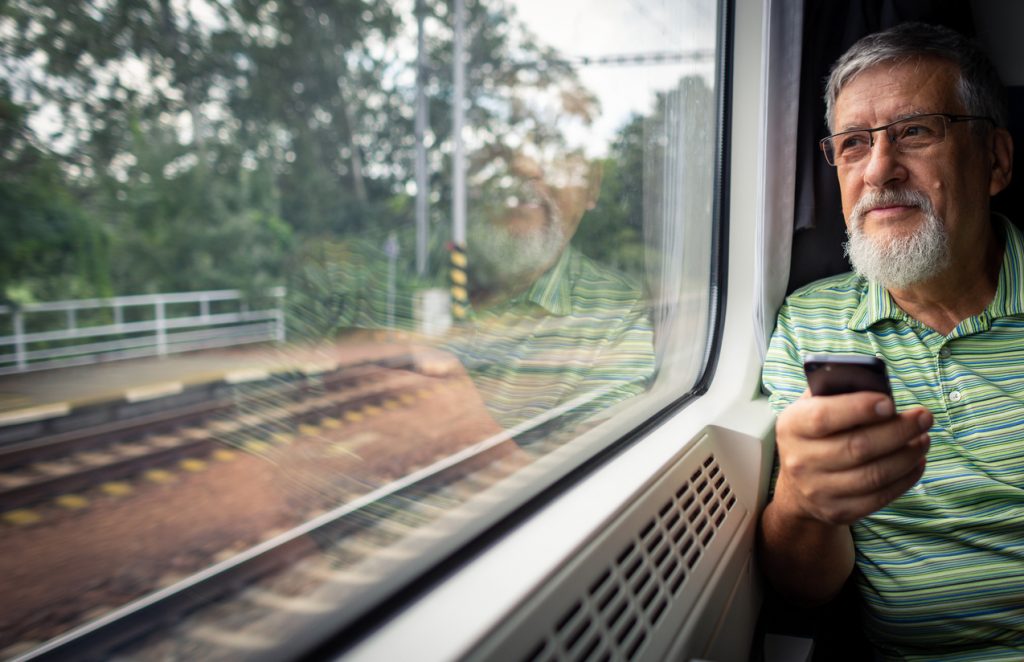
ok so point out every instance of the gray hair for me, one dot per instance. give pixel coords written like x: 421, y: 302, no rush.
x: 980, y: 90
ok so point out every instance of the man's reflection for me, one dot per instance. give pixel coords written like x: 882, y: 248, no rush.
x: 523, y: 217
x: 548, y: 325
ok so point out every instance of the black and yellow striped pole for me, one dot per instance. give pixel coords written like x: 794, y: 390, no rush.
x: 460, y: 280
x: 458, y: 272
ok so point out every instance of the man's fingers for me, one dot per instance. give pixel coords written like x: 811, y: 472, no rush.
x: 871, y: 442
x: 823, y: 416
x: 877, y: 476
x: 853, y: 447
x: 845, y: 511
x: 845, y: 456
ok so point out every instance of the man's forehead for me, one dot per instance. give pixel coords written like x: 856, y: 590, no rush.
x: 893, y: 90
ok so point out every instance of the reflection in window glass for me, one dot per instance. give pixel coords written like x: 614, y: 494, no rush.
x: 274, y: 336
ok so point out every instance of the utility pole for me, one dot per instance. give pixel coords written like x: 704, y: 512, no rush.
x: 460, y: 299
x: 422, y: 176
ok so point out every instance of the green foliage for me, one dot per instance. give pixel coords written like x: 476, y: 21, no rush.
x: 180, y: 227
x: 244, y: 144
x: 612, y: 232
x: 51, y: 247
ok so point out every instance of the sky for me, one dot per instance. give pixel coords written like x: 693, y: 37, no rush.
x: 613, y: 27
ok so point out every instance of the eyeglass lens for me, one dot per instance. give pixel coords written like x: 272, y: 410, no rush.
x: 908, y: 134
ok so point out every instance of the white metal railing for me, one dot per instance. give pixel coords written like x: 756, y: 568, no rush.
x: 178, y: 322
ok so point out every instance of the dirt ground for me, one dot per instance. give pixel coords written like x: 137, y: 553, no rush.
x: 75, y: 564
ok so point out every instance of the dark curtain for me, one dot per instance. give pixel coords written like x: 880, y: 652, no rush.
x: 831, y: 27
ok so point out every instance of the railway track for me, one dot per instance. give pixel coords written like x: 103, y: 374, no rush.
x: 41, y: 469
x: 279, y: 597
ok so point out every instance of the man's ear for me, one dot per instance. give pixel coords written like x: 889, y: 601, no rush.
x: 1002, y: 161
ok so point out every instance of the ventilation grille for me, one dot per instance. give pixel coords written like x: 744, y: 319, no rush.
x: 613, y: 619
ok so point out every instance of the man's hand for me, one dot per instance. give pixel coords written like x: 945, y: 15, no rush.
x: 843, y: 457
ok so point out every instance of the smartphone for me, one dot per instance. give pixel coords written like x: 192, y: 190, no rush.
x: 832, y: 374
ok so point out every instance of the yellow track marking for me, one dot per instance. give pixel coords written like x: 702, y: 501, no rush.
x: 372, y: 410
x: 407, y: 398
x: 224, y: 455
x: 116, y: 488
x: 71, y: 501
x: 283, y: 437
x: 308, y: 430
x: 159, y: 476
x: 331, y: 423
x: 193, y: 465
x: 256, y: 446
x: 353, y: 416
x: 21, y: 517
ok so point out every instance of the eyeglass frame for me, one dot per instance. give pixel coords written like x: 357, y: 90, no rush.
x: 949, y: 118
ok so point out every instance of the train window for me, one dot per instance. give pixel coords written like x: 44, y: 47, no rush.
x: 297, y: 299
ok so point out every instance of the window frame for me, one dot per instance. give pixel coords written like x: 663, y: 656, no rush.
x: 340, y: 630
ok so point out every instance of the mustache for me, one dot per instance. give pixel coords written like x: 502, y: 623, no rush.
x: 888, y: 198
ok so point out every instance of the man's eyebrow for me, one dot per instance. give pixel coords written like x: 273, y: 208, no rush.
x: 902, y: 116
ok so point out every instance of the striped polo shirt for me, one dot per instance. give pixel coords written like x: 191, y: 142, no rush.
x: 581, y: 332
x: 941, y: 568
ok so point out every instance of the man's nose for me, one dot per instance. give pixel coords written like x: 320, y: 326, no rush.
x: 526, y: 167
x: 884, y: 163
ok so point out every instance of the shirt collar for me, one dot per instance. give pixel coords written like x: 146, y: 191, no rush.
x: 553, y: 290
x: 877, y: 305
x: 1009, y: 298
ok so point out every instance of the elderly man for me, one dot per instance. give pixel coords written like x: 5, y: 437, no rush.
x: 918, y: 499
x: 549, y: 328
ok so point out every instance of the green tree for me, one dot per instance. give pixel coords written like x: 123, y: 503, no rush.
x: 52, y: 248
x: 612, y: 232
x: 197, y: 143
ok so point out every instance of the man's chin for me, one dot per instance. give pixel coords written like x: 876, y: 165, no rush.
x: 901, y: 256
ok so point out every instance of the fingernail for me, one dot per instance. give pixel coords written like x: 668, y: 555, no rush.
x: 884, y: 408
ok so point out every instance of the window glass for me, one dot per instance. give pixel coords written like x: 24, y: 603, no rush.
x: 296, y: 297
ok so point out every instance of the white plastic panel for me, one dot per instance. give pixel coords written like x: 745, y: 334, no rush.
x: 642, y: 576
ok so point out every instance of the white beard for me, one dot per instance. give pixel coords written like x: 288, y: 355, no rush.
x: 501, y: 259
x: 901, y: 261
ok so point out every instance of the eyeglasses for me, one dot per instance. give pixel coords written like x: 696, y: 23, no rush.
x: 909, y: 134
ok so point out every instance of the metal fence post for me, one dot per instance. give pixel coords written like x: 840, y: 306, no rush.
x: 19, y: 340
x: 279, y: 312
x: 161, y: 329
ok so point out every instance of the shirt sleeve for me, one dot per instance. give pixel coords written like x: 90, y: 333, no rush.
x: 783, y: 372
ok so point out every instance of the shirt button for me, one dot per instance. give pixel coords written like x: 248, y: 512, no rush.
x: 955, y: 396
x: 945, y: 352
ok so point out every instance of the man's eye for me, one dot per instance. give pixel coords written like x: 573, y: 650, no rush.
x: 915, y: 132
x: 853, y: 142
